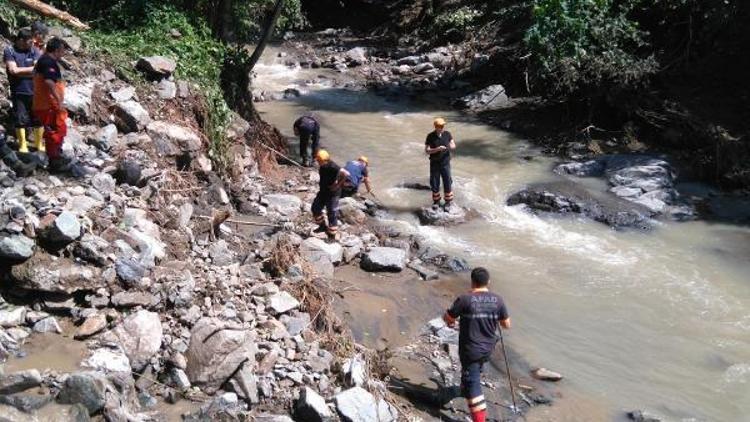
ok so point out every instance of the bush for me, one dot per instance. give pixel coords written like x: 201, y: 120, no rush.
x: 460, y: 20
x: 200, y: 58
x: 587, y: 44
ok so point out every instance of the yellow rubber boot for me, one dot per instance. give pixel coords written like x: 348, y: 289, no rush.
x: 21, y: 136
x: 39, y: 139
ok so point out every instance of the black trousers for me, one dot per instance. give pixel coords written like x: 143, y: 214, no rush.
x: 441, y: 169
x: 329, y: 201
x: 23, y: 117
x: 304, y: 141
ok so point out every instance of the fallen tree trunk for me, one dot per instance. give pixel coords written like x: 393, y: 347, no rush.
x: 51, y: 12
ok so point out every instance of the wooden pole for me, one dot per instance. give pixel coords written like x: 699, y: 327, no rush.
x: 52, y: 12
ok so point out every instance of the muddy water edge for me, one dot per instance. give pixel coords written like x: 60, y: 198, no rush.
x: 655, y: 320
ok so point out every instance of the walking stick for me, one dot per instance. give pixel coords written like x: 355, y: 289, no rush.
x: 507, y: 370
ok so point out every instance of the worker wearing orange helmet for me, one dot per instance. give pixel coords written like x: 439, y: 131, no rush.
x: 358, y: 173
x: 332, y: 177
x: 438, y: 147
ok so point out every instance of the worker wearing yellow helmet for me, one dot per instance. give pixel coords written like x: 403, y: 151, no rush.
x: 358, y: 173
x: 332, y: 177
x: 438, y: 147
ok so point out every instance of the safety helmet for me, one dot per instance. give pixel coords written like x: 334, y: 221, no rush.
x: 439, y: 122
x: 322, y: 155
x: 363, y: 159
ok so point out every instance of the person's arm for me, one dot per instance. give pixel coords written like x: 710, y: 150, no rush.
x: 340, y: 178
x: 366, y: 180
x: 55, y: 93
x: 453, y: 313
x: 429, y: 151
x: 452, y: 145
x: 505, y: 323
x: 503, y: 317
x: 14, y: 70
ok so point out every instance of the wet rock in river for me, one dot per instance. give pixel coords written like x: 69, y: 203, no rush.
x: 441, y: 217
x: 47, y: 325
x: 17, y: 382
x: 642, y: 416
x: 312, y: 245
x: 545, y: 374
x: 312, y: 407
x: 384, y: 259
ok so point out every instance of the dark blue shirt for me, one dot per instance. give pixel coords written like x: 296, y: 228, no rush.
x: 23, y: 85
x: 357, y: 171
x: 478, y: 313
x: 434, y: 140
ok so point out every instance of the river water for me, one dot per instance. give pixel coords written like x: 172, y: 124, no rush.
x: 657, y: 321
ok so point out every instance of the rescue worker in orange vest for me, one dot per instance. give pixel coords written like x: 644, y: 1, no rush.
x: 49, y: 95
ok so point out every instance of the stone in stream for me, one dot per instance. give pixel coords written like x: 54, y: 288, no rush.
x: 358, y: 405
x: 545, y: 374
x: 642, y: 416
x: 384, y: 259
x: 17, y: 382
x: 16, y: 248
x: 311, y: 407
x: 216, y: 351
x: 47, y: 325
x: 87, y: 388
x: 140, y: 336
x: 440, y: 217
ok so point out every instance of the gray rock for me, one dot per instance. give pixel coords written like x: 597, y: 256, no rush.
x: 245, y: 384
x: 546, y: 375
x: 352, y: 211
x: 171, y: 139
x: 440, y: 217
x: 423, y: 68
x: 358, y: 405
x: 409, y: 60
x: 105, y: 138
x: 166, y: 90
x: 216, y: 351
x: 107, y: 360
x: 87, y: 388
x: 220, y: 253
x: 27, y: 403
x: 319, y: 262
x: 130, y: 116
x: 63, y: 230
x: 424, y: 272
x: 60, y: 275
x: 133, y: 299
x: 272, y: 418
x: 334, y: 251
x: 311, y: 407
x: 123, y: 94
x: 78, y: 99
x: 103, y: 183
x: 129, y: 271
x: 642, y: 416
x: 180, y: 379
x: 489, y: 98
x: 93, y: 249
x: 19, y: 381
x: 91, y: 325
x: 282, y: 302
x: 384, y: 259
x: 289, y: 206
x: 128, y: 172
x: 16, y: 248
x: 157, y: 67
x: 295, y: 325
x: 265, y: 289
x: 357, y: 56
x: 140, y: 336
x: 47, y: 325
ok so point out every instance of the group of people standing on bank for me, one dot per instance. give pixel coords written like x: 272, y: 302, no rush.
x: 480, y: 313
x: 37, y: 92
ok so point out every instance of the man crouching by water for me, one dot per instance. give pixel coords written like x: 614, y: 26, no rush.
x: 478, y: 314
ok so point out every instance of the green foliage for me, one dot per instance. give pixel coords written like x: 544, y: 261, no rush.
x: 198, y: 54
x: 460, y: 19
x: 585, y: 44
x: 249, y: 17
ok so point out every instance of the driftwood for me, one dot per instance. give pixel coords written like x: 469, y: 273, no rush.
x: 51, y: 12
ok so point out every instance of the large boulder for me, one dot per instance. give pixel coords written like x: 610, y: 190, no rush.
x: 311, y: 407
x: 313, y: 245
x: 384, y: 259
x: 130, y: 116
x: 216, y: 351
x: 61, y: 275
x: 358, y: 405
x: 491, y: 97
x: 16, y: 248
x: 288, y: 206
x: 438, y: 217
x: 156, y: 67
x: 140, y: 336
x: 172, y: 140
x: 78, y: 99
x: 87, y: 388
x: 352, y: 211
x: 357, y: 56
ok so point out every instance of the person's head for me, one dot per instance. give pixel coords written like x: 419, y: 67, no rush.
x: 364, y: 160
x: 480, y: 277
x: 439, y: 124
x: 39, y: 32
x: 322, y: 156
x: 23, y: 39
x: 56, y: 47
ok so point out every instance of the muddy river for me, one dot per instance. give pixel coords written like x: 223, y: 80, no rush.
x: 657, y: 321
